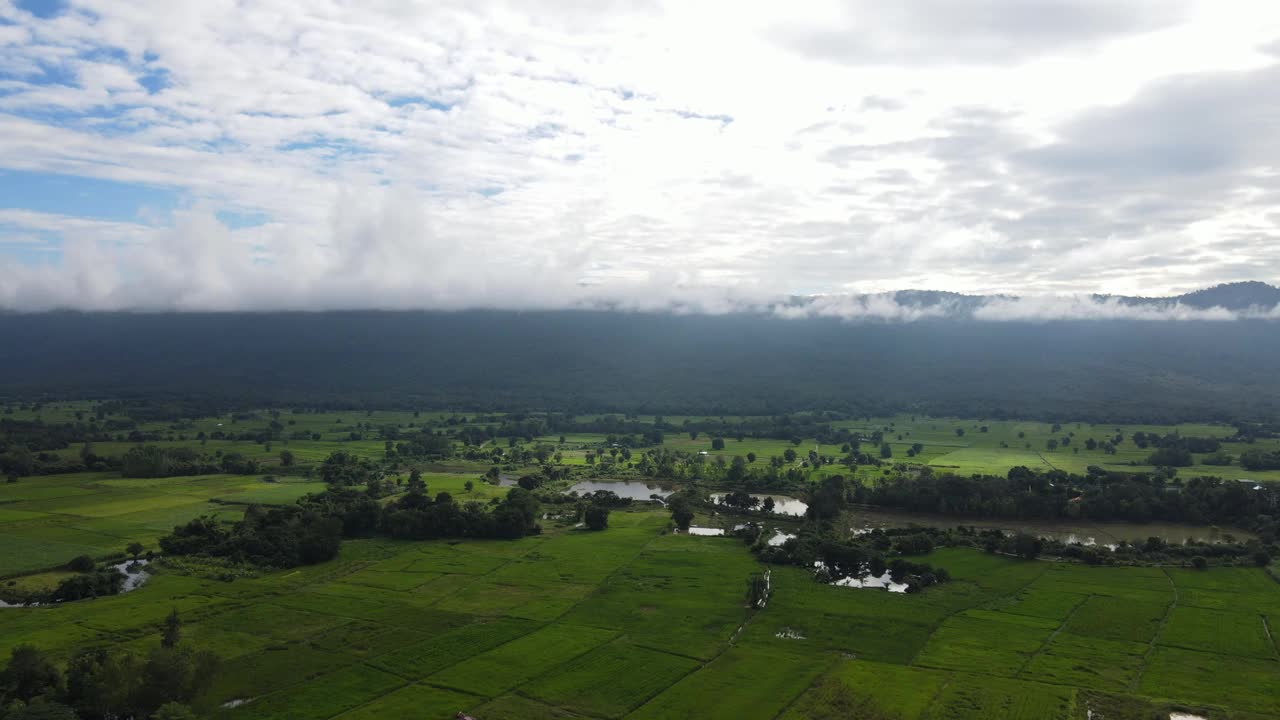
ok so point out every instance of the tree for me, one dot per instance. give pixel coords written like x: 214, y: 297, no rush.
x: 29, y: 674
x: 174, y: 675
x: 286, y: 458
x: 959, y: 432
x: 768, y: 504
x: 681, y: 511
x: 757, y: 590
x: 469, y: 485
x: 1052, y: 444
x: 828, y: 500
x: 172, y: 632
x: 789, y: 455
x: 717, y: 443
x: 751, y: 457
x: 1170, y: 457
x: 1027, y: 546
x: 596, y: 517
x: 81, y: 563
x: 101, y: 683
x: 1199, y: 563
x: 886, y: 451
x: 135, y: 549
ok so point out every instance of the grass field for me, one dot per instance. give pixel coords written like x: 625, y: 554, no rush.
x: 640, y: 624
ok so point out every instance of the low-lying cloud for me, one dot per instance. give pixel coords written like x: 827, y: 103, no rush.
x: 381, y: 251
x: 658, y: 156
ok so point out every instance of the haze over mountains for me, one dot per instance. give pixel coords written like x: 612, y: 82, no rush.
x: 1110, y: 359
x: 1222, y: 302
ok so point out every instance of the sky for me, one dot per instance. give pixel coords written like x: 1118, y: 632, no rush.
x: 291, y: 154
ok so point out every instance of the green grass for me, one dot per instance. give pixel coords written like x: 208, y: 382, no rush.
x: 324, y: 696
x: 1230, y: 681
x: 1117, y: 619
x: 1218, y: 631
x: 520, y: 660
x: 740, y: 683
x: 610, y: 681
x: 415, y: 701
x: 1085, y: 662
x: 976, y: 697
x: 429, y: 655
x: 905, y: 691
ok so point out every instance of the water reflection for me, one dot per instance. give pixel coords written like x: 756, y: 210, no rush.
x: 1104, y: 534
x: 779, y: 538
x: 782, y: 504
x: 884, y: 582
x: 624, y: 489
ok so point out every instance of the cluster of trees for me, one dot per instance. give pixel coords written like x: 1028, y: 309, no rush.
x: 742, y: 500
x: 1259, y: 459
x: 1174, y: 450
x: 1155, y: 550
x: 103, y: 684
x: 838, y: 558
x: 312, y: 530
x: 97, y: 582
x: 278, y: 537
x: 417, y: 516
x: 1176, y: 440
x: 156, y: 462
x: 1024, y: 495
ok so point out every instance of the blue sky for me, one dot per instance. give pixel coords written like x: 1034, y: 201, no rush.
x: 172, y: 154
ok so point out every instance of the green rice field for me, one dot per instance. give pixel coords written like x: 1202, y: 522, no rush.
x: 636, y: 622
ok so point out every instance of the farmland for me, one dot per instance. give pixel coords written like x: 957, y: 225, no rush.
x: 637, y: 622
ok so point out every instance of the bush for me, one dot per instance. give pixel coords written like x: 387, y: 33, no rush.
x: 107, y: 581
x: 81, y: 563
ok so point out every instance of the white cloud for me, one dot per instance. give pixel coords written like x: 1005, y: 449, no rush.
x: 1080, y: 307
x: 698, y: 155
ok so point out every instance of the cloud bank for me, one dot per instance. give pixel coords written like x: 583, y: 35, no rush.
x: 703, y: 157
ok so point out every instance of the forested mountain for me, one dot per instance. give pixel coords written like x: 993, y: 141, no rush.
x: 1113, y: 370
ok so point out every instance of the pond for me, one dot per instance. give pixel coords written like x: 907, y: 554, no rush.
x: 624, y: 489
x: 884, y: 582
x: 782, y: 504
x: 779, y: 538
x: 1106, y: 534
x: 135, y: 575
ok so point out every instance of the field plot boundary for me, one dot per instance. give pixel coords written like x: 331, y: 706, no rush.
x: 1049, y: 640
x: 1142, y: 669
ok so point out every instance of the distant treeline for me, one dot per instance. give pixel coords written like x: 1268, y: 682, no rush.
x: 1100, y: 496
x: 580, y: 362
